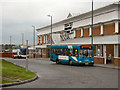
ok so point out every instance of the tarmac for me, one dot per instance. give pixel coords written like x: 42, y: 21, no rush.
x: 112, y: 66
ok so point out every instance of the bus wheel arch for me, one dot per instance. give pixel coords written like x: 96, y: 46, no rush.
x: 57, y: 61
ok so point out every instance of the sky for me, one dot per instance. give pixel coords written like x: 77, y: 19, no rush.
x: 18, y: 16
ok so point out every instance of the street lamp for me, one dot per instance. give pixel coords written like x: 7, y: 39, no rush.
x: 10, y: 46
x: 51, y: 27
x: 22, y: 38
x: 34, y: 41
x: 92, y: 26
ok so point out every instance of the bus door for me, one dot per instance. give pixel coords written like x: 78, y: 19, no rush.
x: 53, y: 54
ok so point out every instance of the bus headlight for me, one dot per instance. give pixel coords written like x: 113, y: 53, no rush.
x: 79, y: 61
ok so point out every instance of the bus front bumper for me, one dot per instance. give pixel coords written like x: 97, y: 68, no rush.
x: 84, y: 63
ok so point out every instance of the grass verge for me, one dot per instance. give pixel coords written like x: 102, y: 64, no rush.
x: 13, y: 73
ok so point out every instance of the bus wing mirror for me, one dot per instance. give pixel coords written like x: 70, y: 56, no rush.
x: 69, y: 54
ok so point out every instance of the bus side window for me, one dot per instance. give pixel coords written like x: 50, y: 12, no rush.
x: 58, y: 51
x: 75, y: 52
x: 52, y: 51
x: 65, y: 52
x: 61, y: 51
x: 70, y: 52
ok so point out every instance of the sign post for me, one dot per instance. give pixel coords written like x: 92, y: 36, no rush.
x: 26, y: 55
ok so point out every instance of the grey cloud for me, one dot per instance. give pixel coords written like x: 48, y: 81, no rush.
x: 19, y: 15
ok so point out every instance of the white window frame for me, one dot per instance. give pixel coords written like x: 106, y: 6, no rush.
x: 81, y: 32
x: 44, y: 51
x: 116, y: 27
x: 101, y: 31
x: 90, y: 31
x: 44, y: 38
x: 40, y: 39
x: 116, y: 51
x: 101, y: 51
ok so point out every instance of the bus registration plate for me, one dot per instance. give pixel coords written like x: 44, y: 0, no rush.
x: 86, y: 63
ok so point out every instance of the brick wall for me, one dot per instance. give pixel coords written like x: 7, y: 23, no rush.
x: 86, y: 32
x: 117, y: 61
x: 98, y: 60
x: 110, y: 49
x: 48, y: 36
x: 109, y: 29
x: 30, y: 56
x: 42, y: 39
x: 44, y: 56
x: 47, y: 52
x: 5, y: 55
x: 37, y: 56
x: 96, y: 31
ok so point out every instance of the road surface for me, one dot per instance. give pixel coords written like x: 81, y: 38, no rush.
x: 52, y: 75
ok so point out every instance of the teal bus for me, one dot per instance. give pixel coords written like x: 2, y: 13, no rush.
x: 72, y: 54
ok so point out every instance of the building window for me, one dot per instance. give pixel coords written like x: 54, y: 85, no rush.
x: 44, y: 38
x: 40, y: 39
x: 44, y: 51
x: 39, y: 51
x: 96, y: 31
x: 85, y: 32
x: 109, y: 29
x: 99, y: 50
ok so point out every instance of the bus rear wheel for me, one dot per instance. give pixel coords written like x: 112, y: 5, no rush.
x: 57, y: 61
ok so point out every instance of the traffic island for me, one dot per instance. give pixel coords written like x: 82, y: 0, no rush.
x: 11, y: 74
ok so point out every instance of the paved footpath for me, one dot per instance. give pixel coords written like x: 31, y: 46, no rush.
x: 53, y: 75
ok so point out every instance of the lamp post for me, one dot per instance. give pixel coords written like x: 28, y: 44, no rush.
x: 51, y: 33
x: 22, y: 38
x: 26, y: 56
x: 10, y: 46
x: 92, y: 26
x: 51, y: 27
x: 34, y: 41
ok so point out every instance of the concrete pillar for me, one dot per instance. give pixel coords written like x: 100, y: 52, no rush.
x: 104, y: 53
x: 44, y: 38
x: 40, y: 39
x: 116, y: 27
x: 101, y: 31
x: 90, y: 31
x: 116, y: 50
x: 81, y: 32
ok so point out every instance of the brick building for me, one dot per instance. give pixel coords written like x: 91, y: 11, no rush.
x: 77, y: 30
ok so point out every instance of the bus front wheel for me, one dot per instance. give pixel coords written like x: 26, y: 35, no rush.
x: 57, y: 61
x: 70, y: 62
